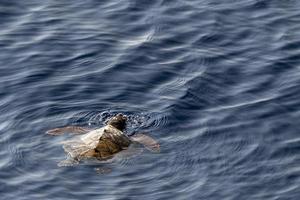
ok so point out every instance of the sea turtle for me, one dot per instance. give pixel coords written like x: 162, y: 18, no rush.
x: 103, y: 143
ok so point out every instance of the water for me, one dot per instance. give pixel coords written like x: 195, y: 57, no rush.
x: 215, y: 82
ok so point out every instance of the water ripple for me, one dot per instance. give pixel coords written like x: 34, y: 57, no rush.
x: 215, y: 82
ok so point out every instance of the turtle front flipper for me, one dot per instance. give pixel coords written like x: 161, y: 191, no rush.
x: 68, y: 129
x: 148, y: 142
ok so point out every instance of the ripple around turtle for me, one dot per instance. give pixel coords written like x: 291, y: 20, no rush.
x: 136, y: 120
x: 137, y: 123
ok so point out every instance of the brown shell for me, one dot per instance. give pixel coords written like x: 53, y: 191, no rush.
x: 111, y: 142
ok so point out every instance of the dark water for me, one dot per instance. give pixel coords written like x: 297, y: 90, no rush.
x: 217, y: 83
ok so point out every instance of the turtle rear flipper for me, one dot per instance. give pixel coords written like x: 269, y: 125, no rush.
x: 68, y: 162
x: 148, y: 142
x: 102, y: 170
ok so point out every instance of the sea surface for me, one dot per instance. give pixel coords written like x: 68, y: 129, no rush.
x: 216, y: 82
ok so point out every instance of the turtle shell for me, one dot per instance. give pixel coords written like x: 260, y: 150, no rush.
x: 101, y: 143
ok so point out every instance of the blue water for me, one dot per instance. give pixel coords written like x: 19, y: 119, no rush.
x: 217, y: 83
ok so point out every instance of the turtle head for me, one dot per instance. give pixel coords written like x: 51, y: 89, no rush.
x: 118, y: 121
